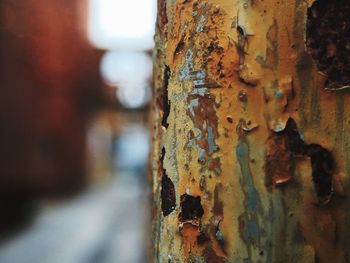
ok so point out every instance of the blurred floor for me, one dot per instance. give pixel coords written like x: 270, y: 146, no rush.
x: 106, y: 224
x: 103, y: 226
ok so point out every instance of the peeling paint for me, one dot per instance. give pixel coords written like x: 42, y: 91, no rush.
x: 241, y: 78
x: 188, y: 66
x: 202, y: 111
x: 287, y: 144
x: 328, y: 40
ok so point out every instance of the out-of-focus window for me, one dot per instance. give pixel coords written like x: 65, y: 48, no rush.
x: 129, y: 72
x: 122, y: 24
x: 125, y: 29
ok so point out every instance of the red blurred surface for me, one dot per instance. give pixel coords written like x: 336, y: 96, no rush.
x: 49, y: 86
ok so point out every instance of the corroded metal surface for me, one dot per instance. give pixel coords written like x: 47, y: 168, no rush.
x: 246, y: 137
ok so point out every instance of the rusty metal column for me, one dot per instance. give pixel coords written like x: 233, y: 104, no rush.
x: 250, y: 156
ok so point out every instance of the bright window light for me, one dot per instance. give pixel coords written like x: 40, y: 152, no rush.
x: 130, y: 73
x: 133, y: 97
x: 122, y: 24
x: 122, y: 67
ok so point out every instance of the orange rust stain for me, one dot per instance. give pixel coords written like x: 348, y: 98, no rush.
x: 212, y: 257
x: 279, y: 163
x: 190, y: 234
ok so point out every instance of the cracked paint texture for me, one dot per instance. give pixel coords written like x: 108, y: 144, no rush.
x: 235, y: 72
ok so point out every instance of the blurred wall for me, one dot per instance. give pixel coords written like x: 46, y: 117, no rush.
x: 49, y: 86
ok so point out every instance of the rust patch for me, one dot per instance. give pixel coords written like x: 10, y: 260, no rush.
x: 242, y: 96
x: 165, y: 96
x: 191, y: 209
x: 212, y: 257
x: 279, y: 162
x: 322, y: 164
x: 202, y: 183
x: 162, y: 18
x: 229, y: 119
x: 202, y: 111
x: 286, y: 145
x: 218, y: 210
x: 190, y: 236
x: 328, y: 40
x: 203, y: 237
x: 270, y: 60
x: 295, y: 143
x: 214, y: 165
x: 167, y: 194
x: 218, y: 216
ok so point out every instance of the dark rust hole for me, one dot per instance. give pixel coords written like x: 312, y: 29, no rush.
x: 166, y: 102
x: 202, y: 238
x: 191, y: 208
x: 240, y: 30
x: 322, y: 162
x: 167, y: 193
x: 328, y: 40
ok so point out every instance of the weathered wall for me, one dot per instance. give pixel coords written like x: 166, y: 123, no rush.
x: 250, y: 158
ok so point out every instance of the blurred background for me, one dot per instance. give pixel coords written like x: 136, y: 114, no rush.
x: 75, y: 85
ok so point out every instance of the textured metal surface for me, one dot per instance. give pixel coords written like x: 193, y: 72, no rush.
x: 233, y: 74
